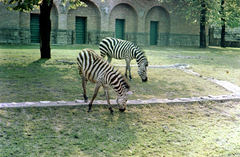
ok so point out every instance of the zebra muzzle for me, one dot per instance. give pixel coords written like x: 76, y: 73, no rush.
x: 145, y: 80
x: 122, y: 110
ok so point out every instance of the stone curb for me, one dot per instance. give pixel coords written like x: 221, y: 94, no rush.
x: 172, y: 66
x: 221, y: 98
x: 178, y: 65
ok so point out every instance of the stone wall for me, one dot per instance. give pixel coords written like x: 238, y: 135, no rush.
x: 232, y: 37
x: 9, y: 36
x: 101, y: 16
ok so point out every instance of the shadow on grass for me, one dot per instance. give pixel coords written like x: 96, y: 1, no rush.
x: 65, y: 131
x: 33, y: 82
x: 37, y: 46
x: 39, y: 61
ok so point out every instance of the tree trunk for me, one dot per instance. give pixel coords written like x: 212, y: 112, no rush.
x: 223, y: 44
x: 202, y: 36
x: 202, y: 26
x: 45, y: 28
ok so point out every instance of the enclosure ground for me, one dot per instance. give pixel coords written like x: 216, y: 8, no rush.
x: 197, y: 129
x: 221, y: 98
x: 189, y: 109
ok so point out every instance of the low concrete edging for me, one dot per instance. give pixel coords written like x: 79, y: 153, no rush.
x: 221, y: 98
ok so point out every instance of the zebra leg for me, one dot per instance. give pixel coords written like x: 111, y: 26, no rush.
x: 84, y: 83
x: 97, y: 87
x: 107, y: 96
x: 128, y: 69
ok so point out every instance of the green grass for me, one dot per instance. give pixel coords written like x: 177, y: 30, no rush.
x: 206, y: 129
x: 199, y: 129
x: 213, y: 62
x: 25, y: 77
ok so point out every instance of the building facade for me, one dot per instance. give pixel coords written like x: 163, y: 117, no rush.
x: 144, y: 22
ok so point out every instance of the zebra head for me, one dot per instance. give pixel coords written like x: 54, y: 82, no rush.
x: 142, y: 70
x: 122, y: 100
x: 123, y: 93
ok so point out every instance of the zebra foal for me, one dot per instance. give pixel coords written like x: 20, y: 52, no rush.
x: 94, y: 68
x: 122, y: 49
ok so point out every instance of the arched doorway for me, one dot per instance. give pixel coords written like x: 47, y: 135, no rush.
x: 34, y: 25
x: 85, y: 22
x: 124, y: 22
x: 157, y: 24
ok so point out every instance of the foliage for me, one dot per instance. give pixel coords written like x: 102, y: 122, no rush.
x: 28, y: 5
x: 230, y: 14
x: 191, y: 10
x: 73, y: 4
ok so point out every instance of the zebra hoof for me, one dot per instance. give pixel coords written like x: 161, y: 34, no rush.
x: 89, y: 110
x: 86, y: 100
x: 110, y: 108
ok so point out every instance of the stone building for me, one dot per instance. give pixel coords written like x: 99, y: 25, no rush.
x: 144, y: 22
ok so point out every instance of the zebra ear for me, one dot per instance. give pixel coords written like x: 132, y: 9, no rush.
x: 129, y: 93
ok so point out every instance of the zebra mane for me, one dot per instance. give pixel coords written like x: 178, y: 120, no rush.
x: 139, y: 49
x: 141, y: 56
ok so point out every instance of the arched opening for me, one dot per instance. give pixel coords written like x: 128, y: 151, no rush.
x: 124, y: 22
x: 54, y: 24
x: 85, y: 23
x: 34, y: 25
x: 157, y: 24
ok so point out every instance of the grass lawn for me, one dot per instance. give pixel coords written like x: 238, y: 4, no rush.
x: 199, y: 129
x: 213, y: 62
x: 25, y: 77
x: 206, y: 129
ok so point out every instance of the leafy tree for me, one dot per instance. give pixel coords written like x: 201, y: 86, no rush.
x: 223, y: 23
x: 203, y: 12
x: 211, y: 12
x: 44, y: 18
x: 230, y: 13
x: 199, y: 11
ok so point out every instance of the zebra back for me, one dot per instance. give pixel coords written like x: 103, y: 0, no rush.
x: 94, y: 68
x: 119, y: 49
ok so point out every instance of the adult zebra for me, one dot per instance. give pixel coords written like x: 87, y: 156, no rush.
x: 94, y: 68
x: 122, y: 49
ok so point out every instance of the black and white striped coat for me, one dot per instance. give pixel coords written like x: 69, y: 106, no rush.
x: 122, y: 49
x: 94, y: 68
